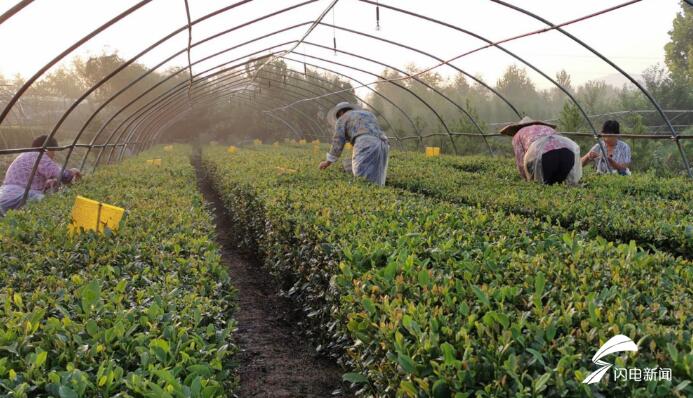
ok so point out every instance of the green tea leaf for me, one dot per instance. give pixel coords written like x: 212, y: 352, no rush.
x: 67, y: 392
x: 90, y: 294
x: 540, y: 383
x: 481, y: 296
x: 441, y: 389
x: 407, y: 363
x: 41, y: 358
x: 356, y: 378
x: 539, y: 284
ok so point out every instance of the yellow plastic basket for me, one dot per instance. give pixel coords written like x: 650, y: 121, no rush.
x: 91, y: 215
x: 154, y: 162
x: 232, y: 149
x: 432, y: 151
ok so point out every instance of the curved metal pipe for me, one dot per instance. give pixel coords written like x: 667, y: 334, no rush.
x: 156, y: 104
x: 218, y: 72
x: 326, y: 100
x: 435, y: 90
x: 15, y: 9
x: 252, y: 105
x: 152, y: 135
x: 246, y: 102
x: 674, y: 134
x: 419, y: 51
x: 131, y: 84
x: 216, y: 88
x: 329, y: 104
x: 172, y: 115
x: 396, y: 84
x: 63, y: 54
x: 440, y: 119
x: 416, y: 128
x: 171, y: 89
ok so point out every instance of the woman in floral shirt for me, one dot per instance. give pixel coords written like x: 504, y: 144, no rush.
x: 17, y: 176
x: 543, y: 155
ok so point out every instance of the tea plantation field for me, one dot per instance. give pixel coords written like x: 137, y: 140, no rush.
x: 457, y: 280
x: 144, y: 312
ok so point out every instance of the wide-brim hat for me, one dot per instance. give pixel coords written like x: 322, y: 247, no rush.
x: 332, y: 114
x: 512, y: 129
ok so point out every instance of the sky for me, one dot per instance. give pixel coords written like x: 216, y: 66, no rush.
x: 633, y: 36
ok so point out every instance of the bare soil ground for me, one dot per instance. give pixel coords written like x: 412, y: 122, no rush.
x: 275, y: 360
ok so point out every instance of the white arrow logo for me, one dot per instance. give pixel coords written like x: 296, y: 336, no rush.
x: 618, y: 343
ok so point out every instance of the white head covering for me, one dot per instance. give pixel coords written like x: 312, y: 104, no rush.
x: 332, y: 114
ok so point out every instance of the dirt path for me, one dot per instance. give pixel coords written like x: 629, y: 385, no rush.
x: 275, y: 361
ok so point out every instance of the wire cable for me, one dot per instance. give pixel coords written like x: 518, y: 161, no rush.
x: 447, y: 62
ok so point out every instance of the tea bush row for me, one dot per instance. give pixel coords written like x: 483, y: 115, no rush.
x: 420, y: 297
x: 656, y: 212
x: 143, y: 312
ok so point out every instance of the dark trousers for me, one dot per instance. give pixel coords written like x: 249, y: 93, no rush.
x: 557, y: 164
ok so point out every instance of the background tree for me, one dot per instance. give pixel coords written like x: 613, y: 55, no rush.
x: 570, y: 120
x: 679, y: 51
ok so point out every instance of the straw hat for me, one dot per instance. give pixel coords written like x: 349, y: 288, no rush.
x: 332, y: 114
x: 512, y: 129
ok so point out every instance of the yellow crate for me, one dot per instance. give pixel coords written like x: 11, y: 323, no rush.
x: 231, y: 149
x: 91, y: 215
x: 257, y: 142
x: 168, y: 148
x: 154, y: 162
x: 432, y: 151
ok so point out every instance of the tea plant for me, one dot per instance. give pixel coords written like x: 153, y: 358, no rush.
x: 142, y: 312
x: 421, y: 297
x: 653, y: 211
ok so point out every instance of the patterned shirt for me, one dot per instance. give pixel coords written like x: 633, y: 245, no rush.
x: 351, y: 125
x: 525, y: 137
x: 620, y: 154
x: 19, y: 171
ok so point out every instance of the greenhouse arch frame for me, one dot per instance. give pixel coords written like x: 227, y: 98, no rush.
x: 143, y: 125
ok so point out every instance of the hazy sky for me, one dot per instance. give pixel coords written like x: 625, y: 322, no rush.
x: 633, y: 37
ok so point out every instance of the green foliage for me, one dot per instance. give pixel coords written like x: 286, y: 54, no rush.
x: 426, y: 298
x: 144, y: 312
x: 571, y: 120
x: 679, y: 51
x: 653, y: 211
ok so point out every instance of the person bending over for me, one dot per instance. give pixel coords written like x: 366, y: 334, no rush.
x: 371, y: 148
x: 17, y: 176
x: 543, y: 155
